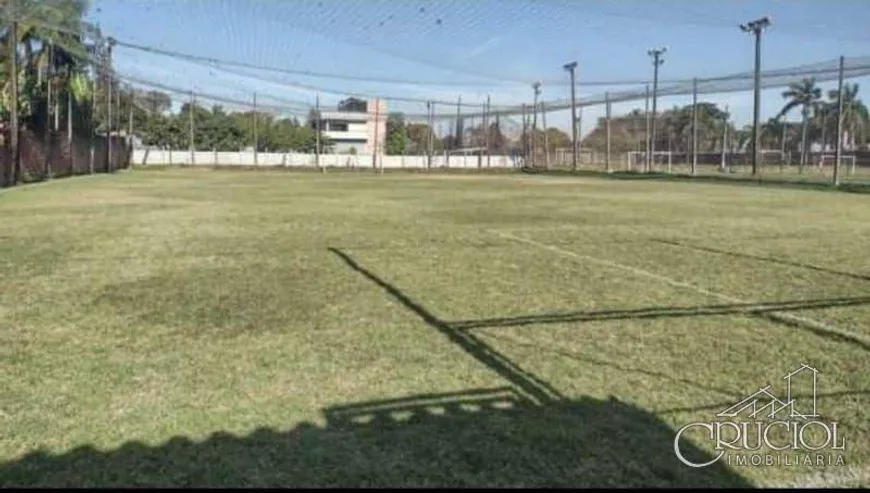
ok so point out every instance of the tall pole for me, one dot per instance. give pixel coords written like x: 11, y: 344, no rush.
x: 431, y: 112
x: 69, y: 130
x: 56, y: 92
x: 488, y: 132
x: 534, y: 145
x: 48, y: 86
x: 256, y: 140
x: 546, y: 136
x: 694, y: 125
x: 191, y: 139
x: 109, y: 107
x: 579, y: 130
x: 130, y: 131
x: 657, y: 62
x: 607, y: 110
x: 13, y: 70
x: 725, y: 143
x: 377, y: 128
x: 647, y: 140
x: 93, y: 116
x: 525, y: 141
x: 571, y: 67
x: 839, y: 152
x: 756, y: 27
x: 317, y: 131
x: 459, y: 129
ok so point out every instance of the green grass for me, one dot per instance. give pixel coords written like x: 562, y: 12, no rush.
x: 199, y: 327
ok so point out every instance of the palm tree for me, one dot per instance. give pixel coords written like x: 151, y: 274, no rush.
x: 856, y: 118
x: 804, y: 94
x: 52, y: 38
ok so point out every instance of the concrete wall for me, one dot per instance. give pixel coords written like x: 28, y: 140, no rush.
x: 145, y: 157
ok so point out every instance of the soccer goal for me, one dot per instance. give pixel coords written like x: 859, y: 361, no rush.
x: 829, y: 159
x: 565, y: 156
x: 638, y: 159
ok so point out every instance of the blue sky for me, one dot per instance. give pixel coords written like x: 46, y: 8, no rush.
x: 474, y: 48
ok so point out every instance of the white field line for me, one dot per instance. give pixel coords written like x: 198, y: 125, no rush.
x: 786, y: 317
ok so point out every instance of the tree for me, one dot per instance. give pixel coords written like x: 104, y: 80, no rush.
x: 155, y: 102
x: 804, y: 94
x: 855, y: 115
x: 418, y: 139
x: 52, y: 56
x: 397, y: 135
x: 353, y: 105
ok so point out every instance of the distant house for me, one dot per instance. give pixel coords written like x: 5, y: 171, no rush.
x: 358, y: 130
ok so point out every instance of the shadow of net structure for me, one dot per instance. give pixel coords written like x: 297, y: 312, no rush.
x: 524, y: 434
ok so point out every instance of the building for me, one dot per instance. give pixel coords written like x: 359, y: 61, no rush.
x: 350, y: 131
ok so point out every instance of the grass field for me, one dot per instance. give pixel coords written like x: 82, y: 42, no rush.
x: 199, y: 327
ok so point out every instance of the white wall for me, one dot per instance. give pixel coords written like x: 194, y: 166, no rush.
x: 145, y: 157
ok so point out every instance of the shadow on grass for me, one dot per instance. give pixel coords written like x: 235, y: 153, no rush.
x: 772, y: 260
x: 765, y: 181
x: 482, y: 438
x: 759, y: 308
x: 528, y: 434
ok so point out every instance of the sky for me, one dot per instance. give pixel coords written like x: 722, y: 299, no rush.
x: 471, y: 49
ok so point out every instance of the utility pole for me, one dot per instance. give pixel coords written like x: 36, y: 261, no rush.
x: 537, y: 89
x: 839, y: 152
x: 656, y: 54
x: 756, y: 27
x: 108, y: 70
x: 255, y: 129
x: 571, y: 67
x: 694, y: 125
x: 191, y: 109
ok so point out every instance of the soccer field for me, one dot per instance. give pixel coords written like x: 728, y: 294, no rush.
x: 238, y: 328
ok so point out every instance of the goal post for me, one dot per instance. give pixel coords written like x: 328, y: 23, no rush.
x: 564, y: 155
x: 638, y: 159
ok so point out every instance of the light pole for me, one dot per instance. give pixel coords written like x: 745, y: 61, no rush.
x: 756, y: 27
x: 570, y: 67
x: 656, y: 54
x: 534, y: 145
